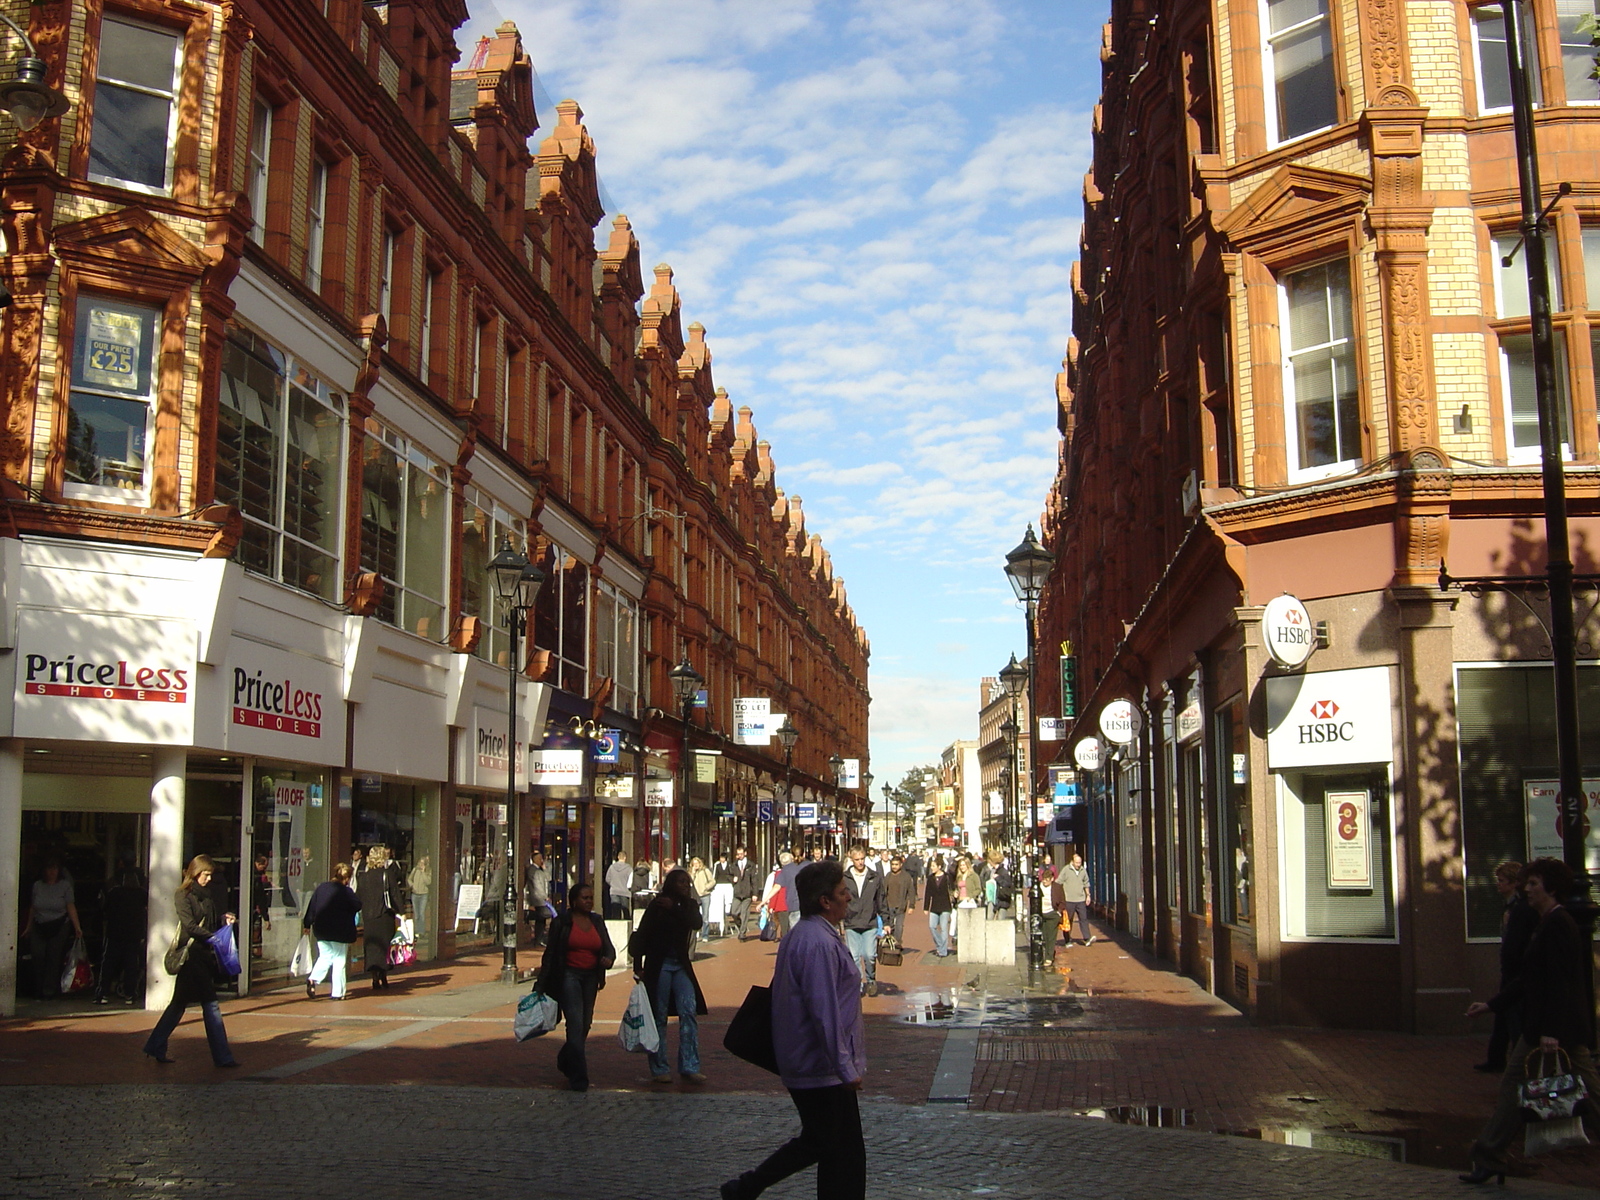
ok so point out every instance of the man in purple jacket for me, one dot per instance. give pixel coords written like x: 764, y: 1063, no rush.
x: 820, y: 1044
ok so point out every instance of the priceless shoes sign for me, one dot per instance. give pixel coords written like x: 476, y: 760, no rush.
x: 1329, y: 718
x: 281, y: 704
x: 91, y: 676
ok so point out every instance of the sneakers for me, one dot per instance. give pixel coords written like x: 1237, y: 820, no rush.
x: 661, y: 1079
x: 1090, y: 942
x: 693, y: 1077
x: 872, y: 987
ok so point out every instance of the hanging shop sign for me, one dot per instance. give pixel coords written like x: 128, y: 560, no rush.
x: 93, y: 677
x: 705, y: 765
x: 1069, y: 682
x: 1188, y: 722
x: 752, y: 717
x: 1542, y: 808
x: 1121, y: 722
x: 1052, y: 729
x: 481, y: 751
x: 608, y: 746
x: 805, y: 814
x: 282, y: 705
x: 997, y: 804
x: 764, y: 811
x: 555, y: 768
x: 616, y: 790
x: 722, y: 807
x: 1349, y: 839
x: 1087, y: 753
x: 1329, y: 718
x: 1287, y: 630
x: 850, y: 773
x: 658, y: 793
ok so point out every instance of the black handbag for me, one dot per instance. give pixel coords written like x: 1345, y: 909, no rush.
x: 749, y: 1034
x: 177, y: 953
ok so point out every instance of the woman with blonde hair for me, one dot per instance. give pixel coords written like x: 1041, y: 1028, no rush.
x: 381, y: 888
x: 197, y: 977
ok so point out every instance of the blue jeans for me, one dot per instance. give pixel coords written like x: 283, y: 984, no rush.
x: 863, y: 945
x: 216, y: 1035
x: 939, y: 925
x: 675, y: 984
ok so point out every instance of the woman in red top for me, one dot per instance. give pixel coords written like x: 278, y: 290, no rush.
x: 573, y: 970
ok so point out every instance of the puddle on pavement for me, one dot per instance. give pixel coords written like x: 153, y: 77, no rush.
x: 948, y: 1007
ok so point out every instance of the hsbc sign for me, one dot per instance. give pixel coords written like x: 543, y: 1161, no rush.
x: 1329, y: 718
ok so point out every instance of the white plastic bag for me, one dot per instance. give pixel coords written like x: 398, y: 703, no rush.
x: 536, y: 1014
x: 637, y: 1030
x: 305, y: 957
x: 76, y: 973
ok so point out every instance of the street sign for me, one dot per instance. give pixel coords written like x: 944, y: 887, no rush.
x: 805, y: 814
x: 764, y: 811
x: 658, y: 793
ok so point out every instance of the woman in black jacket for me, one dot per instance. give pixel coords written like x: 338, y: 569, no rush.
x: 1547, y: 993
x: 660, y: 952
x: 572, y: 971
x: 197, y: 977
x: 331, y: 919
x: 381, y: 888
x: 936, y: 899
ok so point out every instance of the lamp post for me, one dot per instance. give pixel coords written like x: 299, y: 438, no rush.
x: 686, y: 683
x: 1558, y: 547
x: 837, y: 764
x: 516, y: 582
x: 888, y: 816
x: 1008, y: 730
x: 1028, y: 566
x: 788, y: 735
x: 866, y: 794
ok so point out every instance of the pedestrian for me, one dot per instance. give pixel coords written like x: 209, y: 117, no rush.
x: 124, y: 908
x: 381, y: 890
x: 899, y: 897
x: 536, y: 895
x: 775, y: 897
x: 572, y: 972
x: 358, y: 862
x: 969, y: 885
x: 261, y: 890
x: 820, y: 1044
x: 704, y: 884
x: 52, y: 907
x: 1517, y: 923
x: 420, y: 884
x: 1004, y: 882
x: 915, y: 867
x: 816, y: 854
x: 331, y: 919
x: 619, y: 885
x: 660, y: 952
x: 1074, y: 900
x: 937, y: 898
x: 1049, y: 913
x: 644, y: 881
x: 196, y: 982
x: 725, y: 877
x: 788, y: 876
x: 861, y: 922
x: 1548, y: 992
x: 884, y: 862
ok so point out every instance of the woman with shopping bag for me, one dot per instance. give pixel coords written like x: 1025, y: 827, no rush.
x: 381, y: 888
x: 52, y: 906
x: 1548, y: 995
x: 331, y: 919
x: 660, y: 952
x: 573, y: 971
x: 191, y: 958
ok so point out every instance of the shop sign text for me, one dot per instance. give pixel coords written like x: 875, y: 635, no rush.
x: 276, y: 704
x: 1287, y: 631
x: 1329, y: 718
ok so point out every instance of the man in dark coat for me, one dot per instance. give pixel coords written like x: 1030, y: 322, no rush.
x: 742, y: 873
x: 1517, y: 923
x: 867, y: 906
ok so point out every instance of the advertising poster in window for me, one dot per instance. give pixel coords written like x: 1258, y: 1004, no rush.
x: 115, y: 347
x: 1546, y: 828
x: 1349, y: 840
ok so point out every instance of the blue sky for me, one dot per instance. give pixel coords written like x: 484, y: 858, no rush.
x: 873, y: 208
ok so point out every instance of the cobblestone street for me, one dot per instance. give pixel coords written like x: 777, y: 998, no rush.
x: 981, y: 1082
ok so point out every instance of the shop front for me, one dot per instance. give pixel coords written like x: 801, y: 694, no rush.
x: 481, y: 824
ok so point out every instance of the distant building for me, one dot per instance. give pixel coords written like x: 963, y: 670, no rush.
x: 1299, y: 365
x: 960, y: 812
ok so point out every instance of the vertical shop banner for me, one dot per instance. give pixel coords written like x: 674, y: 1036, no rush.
x: 1349, y: 839
x: 705, y: 765
x: 751, y: 721
x: 764, y: 811
x: 658, y: 793
x: 91, y: 677
x: 555, y: 768
x: 850, y: 773
x: 282, y: 705
x: 482, y: 756
x: 1541, y: 804
x: 608, y: 746
x: 1069, y: 683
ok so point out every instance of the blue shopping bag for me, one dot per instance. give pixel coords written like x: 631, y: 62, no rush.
x: 227, y: 950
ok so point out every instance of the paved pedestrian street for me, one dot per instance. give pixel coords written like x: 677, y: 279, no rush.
x: 1115, y: 1073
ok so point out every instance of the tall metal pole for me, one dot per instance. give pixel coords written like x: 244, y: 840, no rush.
x: 1563, y: 648
x: 1036, y: 948
x: 513, y: 851
x: 683, y: 769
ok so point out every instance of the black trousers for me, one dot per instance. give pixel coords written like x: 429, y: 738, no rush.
x: 830, y: 1137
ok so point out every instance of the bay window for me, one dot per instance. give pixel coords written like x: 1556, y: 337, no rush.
x: 405, y: 529
x: 1577, y: 26
x: 111, y: 409
x: 561, y: 618
x: 616, y: 649
x: 484, y: 522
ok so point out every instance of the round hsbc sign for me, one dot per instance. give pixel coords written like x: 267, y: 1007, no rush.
x: 1287, y: 630
x: 1087, y: 754
x: 1120, y: 722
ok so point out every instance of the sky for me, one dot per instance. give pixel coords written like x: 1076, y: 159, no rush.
x: 873, y: 207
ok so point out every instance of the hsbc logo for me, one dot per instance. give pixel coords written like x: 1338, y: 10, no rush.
x: 1324, y: 726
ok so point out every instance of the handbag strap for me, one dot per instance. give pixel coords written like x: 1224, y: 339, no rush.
x: 1558, y: 1053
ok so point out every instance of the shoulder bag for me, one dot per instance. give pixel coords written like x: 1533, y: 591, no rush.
x: 177, y: 953
x: 749, y: 1034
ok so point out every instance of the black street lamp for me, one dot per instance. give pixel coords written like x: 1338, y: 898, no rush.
x: 26, y: 97
x: 1558, y: 547
x: 516, y: 583
x: 1028, y: 567
x: 686, y: 683
x: 837, y: 765
x: 888, y: 804
x: 788, y: 735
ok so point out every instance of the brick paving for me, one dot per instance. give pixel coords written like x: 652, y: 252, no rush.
x: 1115, y: 1036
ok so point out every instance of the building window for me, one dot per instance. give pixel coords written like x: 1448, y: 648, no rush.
x: 561, y: 619
x: 1591, y: 267
x: 111, y: 411
x: 1580, y: 36
x: 1232, y: 755
x: 280, y: 461
x: 405, y: 530
x: 1299, y: 61
x: 425, y: 334
x: 484, y: 522
x: 135, y: 109
x: 1511, y: 280
x: 1489, y: 43
x: 316, y: 221
x: 260, y: 156
x: 616, y: 645
x: 1320, y: 383
x: 1521, y: 400
x: 1316, y: 902
x: 386, y: 276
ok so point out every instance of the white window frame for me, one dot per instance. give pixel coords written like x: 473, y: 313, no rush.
x: 412, y: 458
x: 1484, y: 107
x: 316, y: 222
x: 171, y: 97
x: 1567, y: 86
x: 259, y: 167
x: 1519, y: 455
x: 1502, y: 244
x: 386, y: 275
x: 1291, y: 416
x: 426, y: 334
x: 1269, y: 74
x: 139, y: 496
